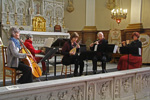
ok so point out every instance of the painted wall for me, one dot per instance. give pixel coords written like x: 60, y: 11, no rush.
x: 103, y: 16
x: 76, y: 19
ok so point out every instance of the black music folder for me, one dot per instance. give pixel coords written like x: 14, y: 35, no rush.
x: 84, y: 54
x: 108, y: 48
x: 130, y: 50
x: 59, y: 42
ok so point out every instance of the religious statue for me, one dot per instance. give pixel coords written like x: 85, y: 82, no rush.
x: 38, y: 8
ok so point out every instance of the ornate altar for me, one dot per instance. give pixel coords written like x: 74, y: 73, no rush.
x: 32, y: 15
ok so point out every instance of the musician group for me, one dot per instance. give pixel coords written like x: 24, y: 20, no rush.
x: 70, y: 52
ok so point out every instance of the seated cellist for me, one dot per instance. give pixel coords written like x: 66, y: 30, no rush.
x: 14, y: 56
x: 135, y: 60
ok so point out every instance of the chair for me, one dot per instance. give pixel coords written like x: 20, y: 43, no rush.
x: 66, y: 70
x: 13, y: 73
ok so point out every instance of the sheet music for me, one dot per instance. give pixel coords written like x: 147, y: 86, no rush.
x: 115, y: 48
x: 140, y: 51
x: 48, y: 42
x: 95, y: 48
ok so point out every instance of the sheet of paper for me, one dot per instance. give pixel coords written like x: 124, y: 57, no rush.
x: 48, y: 42
x: 95, y: 48
x: 140, y: 51
x: 115, y: 48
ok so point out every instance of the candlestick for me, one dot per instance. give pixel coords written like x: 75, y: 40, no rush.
x: 50, y: 21
x: 63, y: 23
x: 16, y: 23
x: 24, y: 20
x: 7, y: 22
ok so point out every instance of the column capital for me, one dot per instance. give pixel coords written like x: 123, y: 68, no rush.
x: 90, y: 29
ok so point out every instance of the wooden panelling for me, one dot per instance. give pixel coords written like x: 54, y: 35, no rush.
x: 126, y: 34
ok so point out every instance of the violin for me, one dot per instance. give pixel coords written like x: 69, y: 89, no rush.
x: 36, y: 70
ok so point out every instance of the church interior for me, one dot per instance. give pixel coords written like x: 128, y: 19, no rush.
x: 121, y: 71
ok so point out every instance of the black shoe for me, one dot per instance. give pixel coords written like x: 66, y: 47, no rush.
x: 19, y: 81
x: 94, y: 71
x: 80, y: 74
x: 104, y: 71
x: 44, y: 73
x: 75, y: 74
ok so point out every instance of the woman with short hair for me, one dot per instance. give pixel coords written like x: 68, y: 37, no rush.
x: 29, y: 46
x: 72, y: 57
x: 135, y: 60
x: 14, y: 55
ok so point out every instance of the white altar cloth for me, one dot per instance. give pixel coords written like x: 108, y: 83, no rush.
x: 45, y: 33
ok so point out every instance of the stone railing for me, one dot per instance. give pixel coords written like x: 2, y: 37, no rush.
x: 121, y: 85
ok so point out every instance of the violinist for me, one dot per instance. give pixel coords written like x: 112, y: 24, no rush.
x: 72, y: 57
x: 14, y: 55
x: 29, y: 46
x: 99, y: 57
x: 135, y: 60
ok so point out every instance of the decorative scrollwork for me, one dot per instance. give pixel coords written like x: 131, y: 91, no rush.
x: 77, y: 93
x: 70, y: 7
x: 126, y: 85
x: 62, y: 95
x: 117, y: 89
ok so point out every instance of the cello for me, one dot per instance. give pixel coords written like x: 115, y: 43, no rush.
x: 36, y: 70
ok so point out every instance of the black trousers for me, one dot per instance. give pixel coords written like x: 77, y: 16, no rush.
x: 74, y: 60
x: 27, y: 73
x: 101, y: 58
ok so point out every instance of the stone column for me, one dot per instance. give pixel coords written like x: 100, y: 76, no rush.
x: 1, y: 64
x: 89, y: 27
x: 136, y: 15
x: 135, y: 19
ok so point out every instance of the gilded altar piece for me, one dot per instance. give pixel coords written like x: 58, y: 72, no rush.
x: 39, y: 24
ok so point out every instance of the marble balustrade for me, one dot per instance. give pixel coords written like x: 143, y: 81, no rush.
x: 121, y: 85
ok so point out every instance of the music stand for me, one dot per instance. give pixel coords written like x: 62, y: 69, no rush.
x: 105, y: 49
x: 59, y: 42
x: 48, y: 56
x: 86, y: 55
x: 129, y: 50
